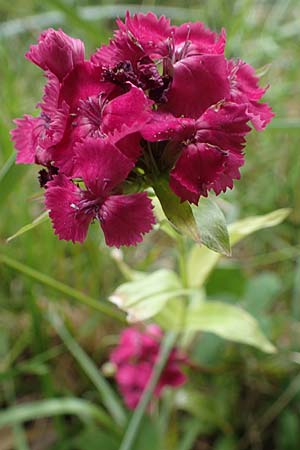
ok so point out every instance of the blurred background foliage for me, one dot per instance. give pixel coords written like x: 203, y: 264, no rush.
x: 238, y: 397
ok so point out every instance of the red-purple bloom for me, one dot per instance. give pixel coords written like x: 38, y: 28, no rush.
x: 56, y: 52
x: 35, y: 137
x: 163, y: 100
x: 205, y: 153
x: 123, y: 218
x: 245, y: 89
x: 134, y: 358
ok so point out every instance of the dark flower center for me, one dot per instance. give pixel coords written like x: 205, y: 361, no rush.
x: 144, y: 75
x: 46, y: 175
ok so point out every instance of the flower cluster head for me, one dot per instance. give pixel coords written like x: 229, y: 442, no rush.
x: 157, y: 101
x: 134, y: 358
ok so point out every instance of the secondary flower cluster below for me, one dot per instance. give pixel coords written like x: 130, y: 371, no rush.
x: 134, y: 358
x: 157, y: 101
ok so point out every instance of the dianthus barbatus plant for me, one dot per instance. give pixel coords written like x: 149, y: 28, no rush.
x: 159, y: 101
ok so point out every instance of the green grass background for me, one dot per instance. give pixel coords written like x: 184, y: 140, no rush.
x: 245, y: 399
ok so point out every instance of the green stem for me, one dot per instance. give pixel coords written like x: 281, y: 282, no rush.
x: 182, y: 261
x: 63, y: 288
x: 134, y: 425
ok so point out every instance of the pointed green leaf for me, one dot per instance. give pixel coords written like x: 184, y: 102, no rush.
x: 171, y: 315
x: 201, y: 260
x: 145, y: 297
x: 179, y: 214
x: 242, y: 228
x: 227, y: 321
x: 40, y: 219
x: 212, y: 226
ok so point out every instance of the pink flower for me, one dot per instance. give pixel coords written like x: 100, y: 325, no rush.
x: 205, y: 153
x: 141, y: 35
x: 97, y: 112
x: 135, y: 357
x: 193, y: 38
x: 158, y: 101
x: 123, y: 218
x: 198, y: 82
x: 56, y: 52
x: 245, y: 89
x: 34, y: 137
x: 194, y: 68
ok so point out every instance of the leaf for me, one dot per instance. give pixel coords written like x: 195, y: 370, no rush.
x: 145, y: 297
x: 40, y: 219
x: 200, y: 263
x: 229, y: 322
x: 242, y: 228
x: 54, y: 407
x: 212, y: 226
x: 201, y: 260
x: 171, y: 315
x: 179, y: 214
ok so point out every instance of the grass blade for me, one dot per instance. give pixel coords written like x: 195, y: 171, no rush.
x: 53, y: 407
x: 63, y: 288
x: 107, y: 394
x: 40, y: 219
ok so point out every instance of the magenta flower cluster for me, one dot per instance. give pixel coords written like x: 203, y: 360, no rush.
x: 157, y: 101
x: 134, y: 358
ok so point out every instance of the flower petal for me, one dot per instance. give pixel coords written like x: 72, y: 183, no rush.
x: 245, y: 89
x: 199, y: 38
x: 83, y: 82
x: 57, y: 52
x: 62, y: 198
x: 101, y: 165
x: 25, y: 137
x: 185, y: 194
x: 140, y: 35
x: 230, y: 172
x: 125, y: 218
x: 127, y: 109
x: 224, y: 125
x: 196, y: 169
x: 148, y: 30
x: 164, y: 126
x: 128, y: 141
x: 199, y: 82
x: 51, y: 95
x: 132, y: 380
